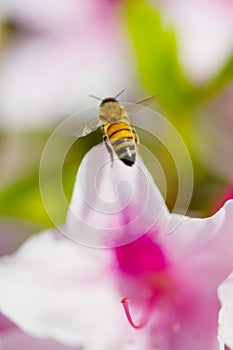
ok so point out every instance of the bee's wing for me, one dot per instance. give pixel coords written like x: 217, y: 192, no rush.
x: 148, y: 101
x: 138, y: 106
x: 84, y: 128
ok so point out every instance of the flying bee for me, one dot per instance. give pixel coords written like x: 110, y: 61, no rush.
x: 118, y: 135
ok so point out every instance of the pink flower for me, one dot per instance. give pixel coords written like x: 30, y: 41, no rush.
x: 62, y: 293
x: 62, y: 50
x: 204, y: 35
x: 166, y: 276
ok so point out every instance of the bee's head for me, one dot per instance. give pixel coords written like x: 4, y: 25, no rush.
x: 107, y: 100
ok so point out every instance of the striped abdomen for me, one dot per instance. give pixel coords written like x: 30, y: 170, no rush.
x: 122, y: 140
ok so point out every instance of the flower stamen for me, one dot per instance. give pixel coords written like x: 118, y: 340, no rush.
x: 125, y: 302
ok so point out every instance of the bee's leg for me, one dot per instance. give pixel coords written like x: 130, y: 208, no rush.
x: 109, y: 149
x: 136, y: 136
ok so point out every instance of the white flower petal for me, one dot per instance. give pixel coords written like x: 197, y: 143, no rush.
x: 55, y: 289
x: 200, y: 244
x: 225, y: 294
x: 191, y: 232
x: 113, y: 205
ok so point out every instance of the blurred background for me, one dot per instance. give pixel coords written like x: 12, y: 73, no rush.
x: 53, y: 54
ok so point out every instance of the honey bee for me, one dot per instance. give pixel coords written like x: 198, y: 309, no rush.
x: 118, y: 135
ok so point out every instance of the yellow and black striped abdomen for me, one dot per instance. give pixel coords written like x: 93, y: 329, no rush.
x: 122, y: 140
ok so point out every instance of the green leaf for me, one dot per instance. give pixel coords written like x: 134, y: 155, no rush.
x: 22, y: 198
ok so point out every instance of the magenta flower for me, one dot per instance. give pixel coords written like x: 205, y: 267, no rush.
x: 166, y: 282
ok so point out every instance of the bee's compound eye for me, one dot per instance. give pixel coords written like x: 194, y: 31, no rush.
x: 106, y: 100
x: 102, y: 103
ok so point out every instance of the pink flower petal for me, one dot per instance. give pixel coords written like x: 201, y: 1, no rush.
x: 225, y: 293
x: 205, y: 237
x: 148, y: 257
x: 55, y: 289
x: 18, y: 339
x: 182, y: 310
x: 5, y: 324
x: 196, y: 257
x: 113, y: 206
x: 200, y: 251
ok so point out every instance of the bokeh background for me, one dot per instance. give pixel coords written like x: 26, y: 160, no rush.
x: 53, y: 54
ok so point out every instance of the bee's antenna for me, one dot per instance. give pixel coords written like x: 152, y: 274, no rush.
x: 97, y: 98
x: 119, y: 93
